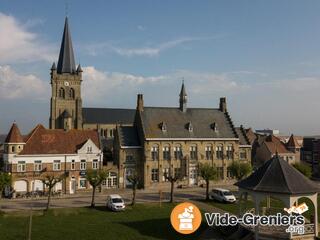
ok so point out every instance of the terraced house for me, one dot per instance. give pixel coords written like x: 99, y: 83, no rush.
x: 175, y: 140
x: 45, y: 151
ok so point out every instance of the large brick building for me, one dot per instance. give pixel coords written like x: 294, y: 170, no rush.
x: 176, y: 140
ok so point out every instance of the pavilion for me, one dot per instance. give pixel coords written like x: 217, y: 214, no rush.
x: 278, y: 179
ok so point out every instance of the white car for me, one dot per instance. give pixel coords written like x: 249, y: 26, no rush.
x: 222, y: 195
x: 115, y: 202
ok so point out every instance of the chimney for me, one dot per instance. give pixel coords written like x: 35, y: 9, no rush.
x: 140, y: 102
x: 223, y: 104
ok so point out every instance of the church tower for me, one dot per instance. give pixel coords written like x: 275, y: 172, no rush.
x: 66, y: 81
x: 183, y: 98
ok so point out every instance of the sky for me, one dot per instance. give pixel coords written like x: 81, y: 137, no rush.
x: 264, y: 56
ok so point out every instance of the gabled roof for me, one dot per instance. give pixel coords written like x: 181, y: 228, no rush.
x: 14, y: 135
x: 176, y: 122
x: 274, y: 145
x: 293, y: 142
x: 251, y: 135
x: 128, y: 136
x: 278, y: 176
x: 57, y: 141
x: 66, y: 63
x: 108, y: 115
x: 243, y: 139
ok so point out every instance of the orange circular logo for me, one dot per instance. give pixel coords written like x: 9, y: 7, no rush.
x: 186, y: 218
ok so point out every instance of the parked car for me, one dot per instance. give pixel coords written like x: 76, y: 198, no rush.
x: 222, y: 195
x: 115, y: 202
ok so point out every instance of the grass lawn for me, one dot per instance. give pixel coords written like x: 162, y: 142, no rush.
x: 144, y: 221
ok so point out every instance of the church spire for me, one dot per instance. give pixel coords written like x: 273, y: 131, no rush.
x: 183, y: 98
x: 66, y: 63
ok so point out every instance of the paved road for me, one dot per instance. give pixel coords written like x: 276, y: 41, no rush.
x: 84, y: 199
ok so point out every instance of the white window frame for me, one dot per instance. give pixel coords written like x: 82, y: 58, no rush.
x: 37, y: 166
x: 83, y: 165
x: 82, y: 179
x: 95, y: 164
x: 56, y: 165
x: 21, y: 166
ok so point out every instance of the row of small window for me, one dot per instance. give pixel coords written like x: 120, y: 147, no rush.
x: 104, y: 132
x: 62, y: 93
x: 177, y: 152
x: 21, y: 166
x: 193, y: 173
x: 166, y: 172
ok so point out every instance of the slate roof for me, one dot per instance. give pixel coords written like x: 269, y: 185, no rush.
x: 128, y: 136
x: 243, y: 139
x: 57, y: 141
x: 278, y: 176
x: 202, y: 120
x: 14, y: 135
x: 66, y: 63
x: 108, y: 115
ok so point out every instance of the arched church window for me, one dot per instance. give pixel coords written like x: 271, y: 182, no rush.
x: 71, y: 93
x: 61, y: 93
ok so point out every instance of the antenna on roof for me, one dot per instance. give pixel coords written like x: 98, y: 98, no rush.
x: 182, y: 80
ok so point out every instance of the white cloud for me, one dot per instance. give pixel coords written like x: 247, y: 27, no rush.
x: 19, y: 44
x: 95, y: 49
x: 16, y: 86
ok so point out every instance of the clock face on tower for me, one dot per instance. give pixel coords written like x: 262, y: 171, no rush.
x: 66, y: 84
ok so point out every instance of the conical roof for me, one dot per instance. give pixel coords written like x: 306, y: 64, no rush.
x: 66, y: 63
x: 14, y: 135
x: 183, y: 92
x: 278, y: 176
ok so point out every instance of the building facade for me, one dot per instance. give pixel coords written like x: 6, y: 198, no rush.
x: 51, y: 152
x: 174, y: 141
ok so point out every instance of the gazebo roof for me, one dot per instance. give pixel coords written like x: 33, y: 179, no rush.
x: 278, y: 176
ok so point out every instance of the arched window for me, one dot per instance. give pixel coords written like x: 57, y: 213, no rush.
x: 61, y: 93
x: 71, y: 93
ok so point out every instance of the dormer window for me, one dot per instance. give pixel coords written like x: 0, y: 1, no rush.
x: 163, y: 127
x: 214, y: 127
x: 190, y: 127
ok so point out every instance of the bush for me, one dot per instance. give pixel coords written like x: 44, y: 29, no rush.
x: 304, y: 169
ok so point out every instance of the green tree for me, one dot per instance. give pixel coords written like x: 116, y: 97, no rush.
x: 5, y: 180
x: 304, y: 169
x: 50, y: 180
x: 95, y: 179
x: 134, y: 180
x: 240, y: 170
x: 172, y: 179
x: 207, y: 172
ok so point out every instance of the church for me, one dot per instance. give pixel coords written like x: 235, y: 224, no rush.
x: 149, y: 141
x: 66, y: 111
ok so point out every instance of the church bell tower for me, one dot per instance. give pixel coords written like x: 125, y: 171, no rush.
x: 66, y: 81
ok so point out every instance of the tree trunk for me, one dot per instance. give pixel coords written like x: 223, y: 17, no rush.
x: 133, y: 194
x: 49, y: 198
x: 207, y: 189
x: 93, y: 195
x: 171, y: 193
